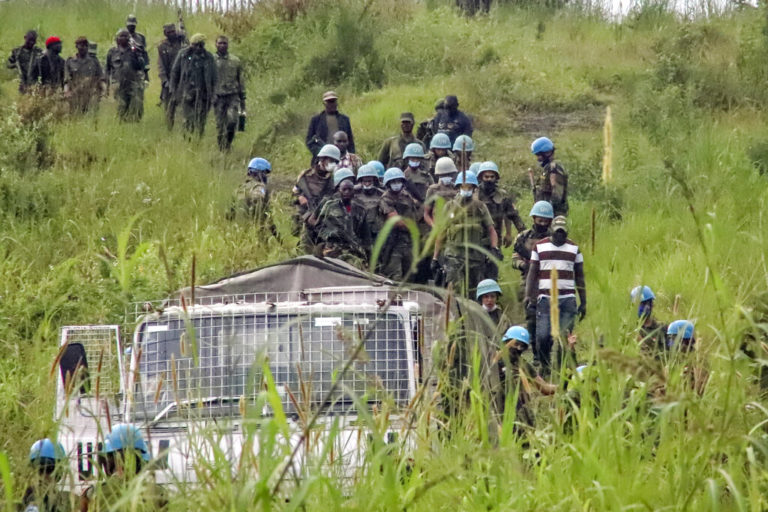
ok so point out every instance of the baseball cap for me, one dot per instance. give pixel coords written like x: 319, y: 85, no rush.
x: 330, y: 95
x: 559, y: 222
x: 406, y: 116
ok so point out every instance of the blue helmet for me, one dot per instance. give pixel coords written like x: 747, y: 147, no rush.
x: 413, y: 150
x: 393, y: 174
x: 681, y: 327
x: 341, y: 175
x: 463, y: 143
x: 46, y: 449
x: 126, y: 437
x: 542, y: 145
x: 475, y: 168
x: 467, y: 177
x: 259, y: 164
x: 487, y: 286
x: 517, y: 333
x: 641, y: 294
x: 489, y: 167
x: 366, y: 171
x: 543, y: 209
x: 379, y: 167
x: 580, y: 369
x: 440, y: 141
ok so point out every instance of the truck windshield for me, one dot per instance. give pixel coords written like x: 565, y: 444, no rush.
x: 304, y: 353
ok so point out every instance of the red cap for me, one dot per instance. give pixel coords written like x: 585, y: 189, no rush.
x: 51, y: 40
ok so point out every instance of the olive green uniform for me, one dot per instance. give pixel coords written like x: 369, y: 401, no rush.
x: 229, y: 99
x: 556, y: 194
x: 432, y: 162
x: 83, y: 77
x: 396, y: 256
x: 125, y: 69
x: 251, y: 198
x: 22, y: 59
x: 314, y: 188
x: 193, y: 79
x: 343, y: 231
x: 391, y: 152
x: 652, y: 337
x: 369, y: 202
x: 166, y: 55
x: 469, y: 225
x: 417, y: 181
x: 501, y: 207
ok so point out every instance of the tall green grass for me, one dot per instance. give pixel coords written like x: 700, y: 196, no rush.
x: 122, y: 210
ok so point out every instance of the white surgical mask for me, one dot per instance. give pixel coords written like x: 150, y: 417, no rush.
x: 414, y: 163
x: 396, y: 187
x: 446, y: 180
x: 489, y: 308
x: 367, y: 187
x: 331, y: 167
x: 465, y: 193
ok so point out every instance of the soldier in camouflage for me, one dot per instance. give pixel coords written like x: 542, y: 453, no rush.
x: 501, y: 207
x: 368, y: 195
x: 312, y: 186
x: 193, y: 82
x: 125, y: 69
x: 391, y: 152
x: 417, y: 179
x: 342, y: 228
x: 445, y: 172
x: 167, y: 51
x: 229, y: 99
x: 470, y: 227
x: 84, y: 82
x: 22, y: 59
x: 521, y: 259
x: 138, y: 40
x: 252, y: 196
x: 551, y: 183
x: 439, y: 146
x: 397, y: 254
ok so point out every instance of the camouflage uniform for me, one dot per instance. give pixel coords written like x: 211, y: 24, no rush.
x: 344, y: 232
x: 141, y: 44
x: 557, y: 195
x: 396, y: 256
x: 49, y: 70
x: 652, y: 338
x: 315, y: 189
x: 432, y: 161
x: 193, y: 79
x: 229, y: 100
x: 391, y: 152
x: 166, y: 55
x: 501, y: 207
x: 521, y: 260
x: 369, y: 202
x: 125, y: 67
x: 83, y: 79
x: 417, y: 181
x: 22, y: 59
x: 351, y: 161
x: 252, y: 198
x: 469, y: 225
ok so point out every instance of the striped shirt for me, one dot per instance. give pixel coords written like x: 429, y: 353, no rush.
x: 563, y: 260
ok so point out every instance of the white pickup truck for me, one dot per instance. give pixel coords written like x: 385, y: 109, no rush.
x: 194, y: 372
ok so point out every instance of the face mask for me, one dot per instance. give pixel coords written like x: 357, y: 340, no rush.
x: 366, y: 188
x: 539, y: 229
x: 489, y: 308
x: 396, y: 187
x: 465, y: 194
x: 414, y: 163
x: 331, y: 166
x: 446, y: 180
x: 644, y: 311
x: 489, y: 186
x: 559, y: 237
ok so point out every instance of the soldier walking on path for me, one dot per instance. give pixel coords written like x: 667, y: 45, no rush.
x: 551, y: 183
x: 445, y: 173
x: 125, y: 69
x: 521, y: 259
x: 368, y: 195
x: 84, y: 82
x: 312, y: 186
x: 138, y: 40
x: 48, y: 69
x: 439, y: 146
x: 229, y: 100
x: 252, y: 196
x: 391, y: 152
x: 502, y: 208
x: 167, y: 51
x: 22, y: 59
x: 342, y: 228
x: 397, y: 254
x: 326, y: 123
x: 193, y: 82
x: 555, y: 255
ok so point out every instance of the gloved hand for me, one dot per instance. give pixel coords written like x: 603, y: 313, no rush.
x: 582, y: 310
x: 496, y: 252
x: 434, y: 268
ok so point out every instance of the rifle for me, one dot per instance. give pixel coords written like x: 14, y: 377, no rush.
x: 533, y: 183
x: 182, y: 29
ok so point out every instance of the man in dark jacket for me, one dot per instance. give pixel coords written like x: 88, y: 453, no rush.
x: 23, y: 58
x: 326, y: 123
x: 452, y: 121
x: 193, y: 81
x: 48, y: 69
